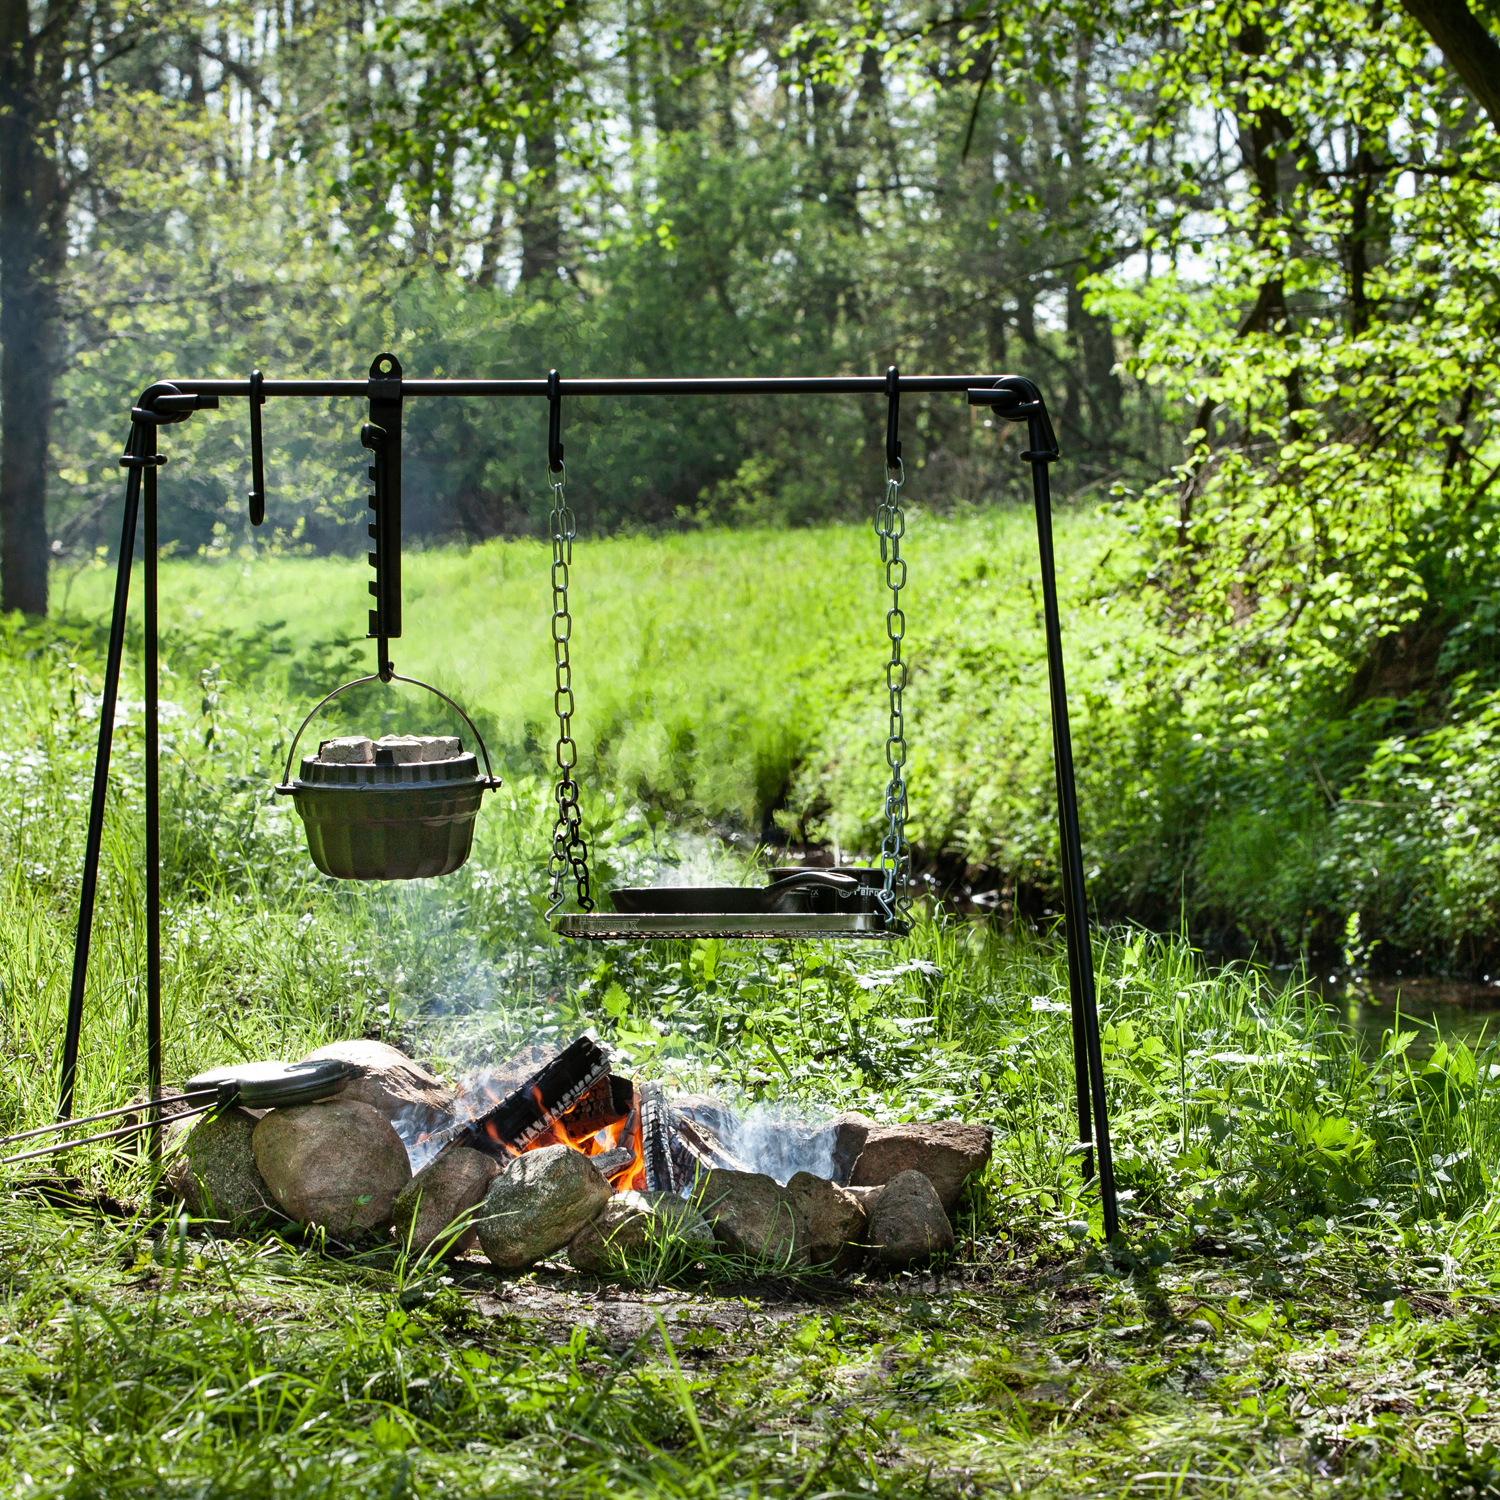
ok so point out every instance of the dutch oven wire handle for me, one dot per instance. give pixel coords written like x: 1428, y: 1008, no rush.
x: 491, y: 781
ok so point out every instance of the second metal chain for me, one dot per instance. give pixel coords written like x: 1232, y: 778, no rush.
x: 895, y: 854
x: 570, y: 850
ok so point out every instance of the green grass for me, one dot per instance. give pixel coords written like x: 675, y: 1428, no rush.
x: 1307, y: 1299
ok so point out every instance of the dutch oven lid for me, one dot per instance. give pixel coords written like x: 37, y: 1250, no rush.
x: 267, y: 1085
x: 417, y: 773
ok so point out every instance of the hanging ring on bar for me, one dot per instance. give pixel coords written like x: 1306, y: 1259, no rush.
x: 142, y: 460
x: 491, y: 780
x: 893, y: 464
x: 257, y: 495
x: 554, y: 424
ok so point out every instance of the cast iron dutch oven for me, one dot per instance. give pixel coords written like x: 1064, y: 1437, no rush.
x: 389, y: 822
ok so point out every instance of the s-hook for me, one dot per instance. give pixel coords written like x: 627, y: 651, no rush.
x: 257, y: 452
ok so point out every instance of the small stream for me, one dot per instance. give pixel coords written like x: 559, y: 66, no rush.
x: 1460, y: 1009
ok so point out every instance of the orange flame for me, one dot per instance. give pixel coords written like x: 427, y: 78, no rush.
x: 577, y: 1135
x: 597, y: 1142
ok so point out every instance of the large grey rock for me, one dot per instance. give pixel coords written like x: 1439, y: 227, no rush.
x: 213, y: 1170
x: 810, y: 1221
x: 830, y: 1222
x: 750, y: 1214
x: 338, y: 1164
x: 538, y: 1203
x: 908, y: 1226
x: 441, y: 1193
x: 404, y: 1092
x: 945, y: 1152
x: 637, y: 1224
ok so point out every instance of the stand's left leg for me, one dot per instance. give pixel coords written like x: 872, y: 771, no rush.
x: 95, y: 837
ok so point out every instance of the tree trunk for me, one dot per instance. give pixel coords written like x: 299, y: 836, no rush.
x: 32, y: 246
x: 541, y: 220
x: 1466, y: 45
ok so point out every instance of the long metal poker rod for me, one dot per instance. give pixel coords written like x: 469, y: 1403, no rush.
x: 104, y: 1114
x: 104, y: 1135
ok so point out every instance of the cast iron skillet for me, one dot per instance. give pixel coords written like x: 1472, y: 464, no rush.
x: 792, y: 891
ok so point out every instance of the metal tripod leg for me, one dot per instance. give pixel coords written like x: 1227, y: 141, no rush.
x: 89, y: 887
x: 153, y: 814
x: 1076, y: 962
x: 1075, y: 903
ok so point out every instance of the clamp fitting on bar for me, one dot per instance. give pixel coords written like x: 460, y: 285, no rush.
x: 1016, y: 399
x: 163, y: 405
x: 554, y: 424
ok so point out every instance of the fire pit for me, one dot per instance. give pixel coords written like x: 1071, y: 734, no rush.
x: 557, y: 1154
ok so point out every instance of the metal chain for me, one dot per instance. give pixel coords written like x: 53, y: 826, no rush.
x: 895, y: 854
x: 570, y: 849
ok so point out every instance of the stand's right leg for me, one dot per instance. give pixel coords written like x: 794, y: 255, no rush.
x: 101, y: 779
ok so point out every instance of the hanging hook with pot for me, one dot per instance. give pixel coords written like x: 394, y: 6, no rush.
x: 399, y: 808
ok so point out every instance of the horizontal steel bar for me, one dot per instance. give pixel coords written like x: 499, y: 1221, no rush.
x: 793, y: 385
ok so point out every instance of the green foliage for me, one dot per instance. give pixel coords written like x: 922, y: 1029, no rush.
x: 730, y: 681
x: 605, y: 189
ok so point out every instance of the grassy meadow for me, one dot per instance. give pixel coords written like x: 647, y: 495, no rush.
x: 709, y: 667
x: 732, y: 680
x: 1307, y: 1296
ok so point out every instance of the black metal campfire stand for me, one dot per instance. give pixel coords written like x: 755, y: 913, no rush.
x: 167, y: 403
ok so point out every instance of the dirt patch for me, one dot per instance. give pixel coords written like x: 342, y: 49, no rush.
x: 557, y: 1301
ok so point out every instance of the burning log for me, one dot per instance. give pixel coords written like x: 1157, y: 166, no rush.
x: 656, y: 1139
x: 704, y: 1147
x: 610, y: 1101
x: 531, y: 1110
x: 614, y: 1161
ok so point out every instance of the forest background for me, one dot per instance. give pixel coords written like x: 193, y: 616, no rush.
x: 1248, y: 252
